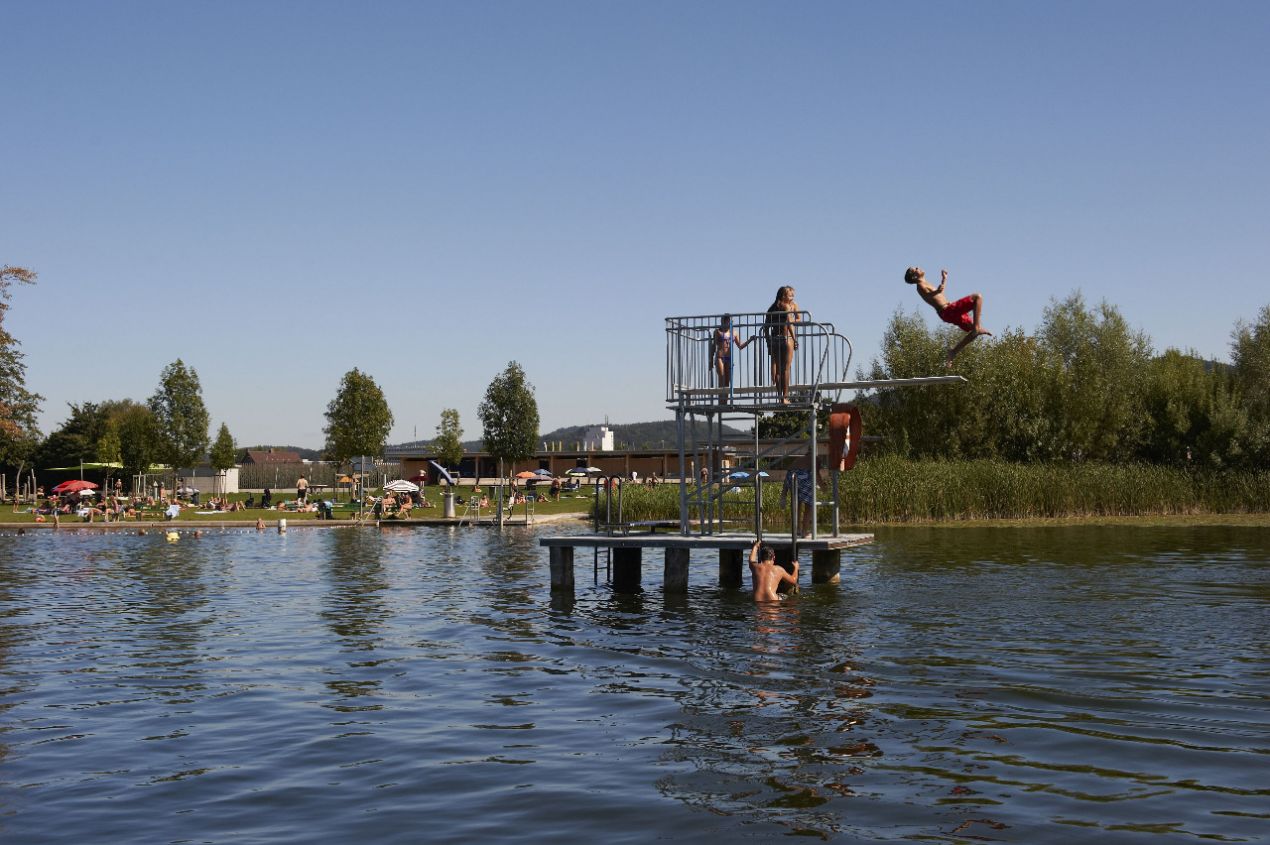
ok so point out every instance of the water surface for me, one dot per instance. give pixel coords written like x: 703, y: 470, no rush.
x: 1015, y: 684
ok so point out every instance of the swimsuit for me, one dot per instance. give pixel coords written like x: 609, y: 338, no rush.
x: 803, y: 477
x: 723, y: 344
x: 958, y: 313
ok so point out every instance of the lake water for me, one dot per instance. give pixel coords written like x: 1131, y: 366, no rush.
x: 1023, y: 685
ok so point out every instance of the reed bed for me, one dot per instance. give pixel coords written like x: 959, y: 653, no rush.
x: 896, y: 490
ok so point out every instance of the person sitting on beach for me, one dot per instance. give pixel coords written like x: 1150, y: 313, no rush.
x: 956, y: 313
x: 767, y: 575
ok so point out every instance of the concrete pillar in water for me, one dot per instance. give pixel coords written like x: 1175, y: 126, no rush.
x: 676, y: 571
x: 731, y: 573
x: 562, y: 569
x: 825, y: 566
x: 626, y: 570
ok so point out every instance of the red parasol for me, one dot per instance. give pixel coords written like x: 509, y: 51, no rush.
x: 74, y: 486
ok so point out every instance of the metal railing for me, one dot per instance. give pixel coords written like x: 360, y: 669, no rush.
x: 694, y: 380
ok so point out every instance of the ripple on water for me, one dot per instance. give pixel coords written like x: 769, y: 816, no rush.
x: 1021, y: 685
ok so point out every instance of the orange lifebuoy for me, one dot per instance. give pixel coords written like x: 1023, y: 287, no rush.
x: 845, y: 430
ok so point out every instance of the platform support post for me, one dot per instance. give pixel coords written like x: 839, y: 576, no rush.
x: 626, y: 570
x: 730, y: 571
x: 562, y: 569
x: 676, y: 571
x: 826, y: 565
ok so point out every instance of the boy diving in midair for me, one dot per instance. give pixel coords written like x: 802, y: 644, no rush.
x: 957, y: 313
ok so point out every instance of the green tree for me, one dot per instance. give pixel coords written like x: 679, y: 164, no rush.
x: 139, y: 442
x: 358, y: 419
x: 448, y: 444
x: 18, y: 406
x: 1102, y: 366
x: 1250, y: 355
x: 76, y: 440
x: 509, y: 415
x: 1192, y: 410
x: 224, y: 454
x: 180, y: 415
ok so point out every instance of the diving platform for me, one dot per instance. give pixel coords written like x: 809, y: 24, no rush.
x: 779, y: 370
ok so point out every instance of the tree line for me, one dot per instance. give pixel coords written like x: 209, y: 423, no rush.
x: 172, y: 427
x: 1084, y: 386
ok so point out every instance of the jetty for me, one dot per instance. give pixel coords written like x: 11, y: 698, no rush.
x: 795, y: 369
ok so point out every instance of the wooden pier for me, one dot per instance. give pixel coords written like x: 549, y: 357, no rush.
x: 626, y: 556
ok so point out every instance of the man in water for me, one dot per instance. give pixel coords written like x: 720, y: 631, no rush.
x: 956, y: 313
x: 766, y: 574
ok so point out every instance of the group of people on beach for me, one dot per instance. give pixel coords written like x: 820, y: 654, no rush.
x: 779, y: 330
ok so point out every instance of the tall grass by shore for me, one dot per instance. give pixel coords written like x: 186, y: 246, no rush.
x: 894, y: 490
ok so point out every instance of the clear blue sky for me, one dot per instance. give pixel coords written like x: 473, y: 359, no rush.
x: 279, y: 192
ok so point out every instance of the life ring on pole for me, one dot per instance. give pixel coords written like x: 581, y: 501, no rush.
x: 845, y: 434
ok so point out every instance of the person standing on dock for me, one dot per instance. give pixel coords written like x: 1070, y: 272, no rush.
x: 956, y: 313
x: 778, y: 327
x: 767, y: 575
x: 800, y: 483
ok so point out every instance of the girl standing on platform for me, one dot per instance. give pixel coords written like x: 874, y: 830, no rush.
x: 721, y: 345
x: 781, y: 340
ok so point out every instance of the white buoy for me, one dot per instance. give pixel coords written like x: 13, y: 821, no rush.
x: 282, y: 526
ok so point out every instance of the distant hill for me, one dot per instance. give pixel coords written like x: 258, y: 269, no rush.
x: 643, y: 435
x: 305, y: 454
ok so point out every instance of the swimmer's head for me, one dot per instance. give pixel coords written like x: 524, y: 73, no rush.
x: 725, y: 321
x: 913, y: 275
x: 766, y: 552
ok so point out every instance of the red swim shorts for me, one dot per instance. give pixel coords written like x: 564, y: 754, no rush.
x: 958, y: 313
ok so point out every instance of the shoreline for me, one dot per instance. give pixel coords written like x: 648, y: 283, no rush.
x: 188, y: 526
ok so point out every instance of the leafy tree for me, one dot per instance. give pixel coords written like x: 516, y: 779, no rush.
x: 224, y: 454
x: 139, y: 442
x: 18, y: 406
x: 1192, y: 410
x: 357, y: 419
x: 180, y: 415
x: 76, y: 440
x: 509, y: 415
x: 1250, y: 355
x: 1102, y: 364
x: 448, y: 444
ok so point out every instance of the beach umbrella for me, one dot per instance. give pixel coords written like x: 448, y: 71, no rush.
x: 576, y: 471
x: 543, y: 473
x: 527, y: 475
x: 74, y: 486
x: 421, y: 478
x: 401, y: 486
x: 740, y: 473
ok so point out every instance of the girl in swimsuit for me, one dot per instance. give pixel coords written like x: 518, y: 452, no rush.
x: 724, y: 337
x: 781, y: 341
